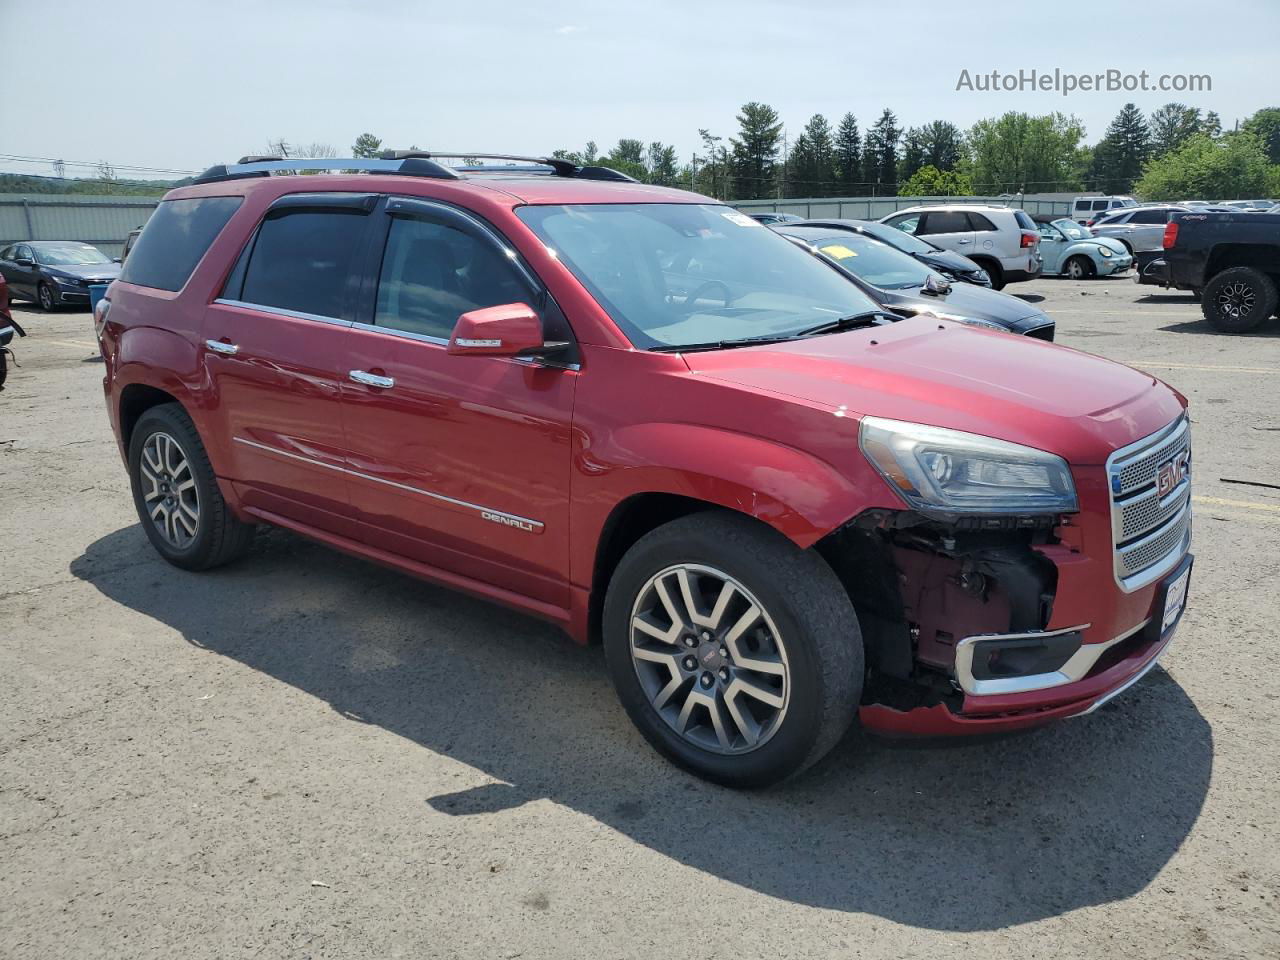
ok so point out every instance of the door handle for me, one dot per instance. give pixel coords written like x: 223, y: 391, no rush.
x: 227, y: 349
x: 371, y: 379
x: 966, y: 241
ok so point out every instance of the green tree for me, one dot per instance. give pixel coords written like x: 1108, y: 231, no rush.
x: 1171, y: 126
x: 714, y: 167
x: 943, y: 144
x: 848, y: 156
x: 1021, y: 152
x: 366, y: 145
x: 912, y: 153
x: 755, y: 150
x: 799, y: 168
x: 820, y: 171
x: 929, y: 181
x: 880, y: 153
x: 1265, y: 125
x: 1212, y: 124
x: 662, y: 163
x: 1119, y: 156
x: 1234, y: 166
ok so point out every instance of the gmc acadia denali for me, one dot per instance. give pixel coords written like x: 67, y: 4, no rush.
x: 640, y: 414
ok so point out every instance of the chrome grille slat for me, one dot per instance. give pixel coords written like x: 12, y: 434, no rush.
x: 1150, y: 534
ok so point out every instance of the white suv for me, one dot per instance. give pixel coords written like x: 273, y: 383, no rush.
x: 1004, y: 241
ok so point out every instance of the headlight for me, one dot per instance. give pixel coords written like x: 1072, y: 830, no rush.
x: 971, y: 321
x: 942, y: 473
x: 1104, y: 251
x: 68, y: 281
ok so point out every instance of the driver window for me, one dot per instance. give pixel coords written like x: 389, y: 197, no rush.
x: 907, y: 224
x: 1048, y: 231
x: 432, y: 274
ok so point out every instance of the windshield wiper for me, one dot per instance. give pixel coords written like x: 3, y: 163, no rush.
x: 855, y: 321
x: 724, y: 344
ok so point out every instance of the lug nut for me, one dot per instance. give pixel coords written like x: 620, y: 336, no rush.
x: 706, y: 680
x: 724, y: 674
x: 705, y: 635
x: 690, y: 663
x: 724, y: 652
x: 689, y: 641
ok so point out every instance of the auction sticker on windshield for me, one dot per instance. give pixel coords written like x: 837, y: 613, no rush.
x: 839, y: 251
x: 741, y: 219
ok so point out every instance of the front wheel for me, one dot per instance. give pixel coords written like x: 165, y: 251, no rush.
x: 994, y: 272
x: 1080, y: 268
x: 44, y: 296
x: 736, y: 654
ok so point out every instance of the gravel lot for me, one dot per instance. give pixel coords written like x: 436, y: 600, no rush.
x: 307, y: 756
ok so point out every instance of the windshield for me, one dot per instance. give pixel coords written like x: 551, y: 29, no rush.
x: 673, y: 274
x: 1072, y: 229
x: 896, y: 238
x: 70, y: 255
x: 877, y: 263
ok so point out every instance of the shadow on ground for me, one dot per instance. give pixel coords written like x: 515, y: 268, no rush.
x: 960, y: 838
x: 1269, y: 328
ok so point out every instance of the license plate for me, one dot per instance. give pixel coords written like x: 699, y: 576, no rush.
x: 1175, y: 598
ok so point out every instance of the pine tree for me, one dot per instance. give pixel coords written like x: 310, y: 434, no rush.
x: 755, y: 150
x: 848, y: 156
x: 662, y: 164
x: 943, y: 144
x: 880, y: 156
x: 1119, y: 157
x: 366, y: 145
x: 1212, y: 124
x: 1171, y: 126
x: 913, y: 154
x: 821, y: 169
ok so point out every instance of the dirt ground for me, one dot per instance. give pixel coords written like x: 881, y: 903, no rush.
x: 304, y: 755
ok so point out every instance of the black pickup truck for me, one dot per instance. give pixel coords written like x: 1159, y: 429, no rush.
x: 1231, y: 260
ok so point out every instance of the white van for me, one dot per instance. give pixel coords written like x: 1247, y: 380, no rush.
x: 1087, y: 209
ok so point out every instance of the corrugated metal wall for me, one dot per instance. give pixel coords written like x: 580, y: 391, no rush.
x: 102, y: 221
x: 873, y: 208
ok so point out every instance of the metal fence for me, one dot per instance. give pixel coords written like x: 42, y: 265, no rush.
x: 102, y: 221
x: 873, y: 208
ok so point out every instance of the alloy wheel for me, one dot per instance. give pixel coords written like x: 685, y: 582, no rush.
x: 46, y: 297
x: 1075, y: 270
x: 709, y: 658
x: 169, y: 489
x: 1236, y: 299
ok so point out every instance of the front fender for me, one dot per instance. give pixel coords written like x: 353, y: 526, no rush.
x: 799, y: 495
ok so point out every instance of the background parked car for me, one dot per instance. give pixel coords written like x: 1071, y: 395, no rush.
x: 905, y: 286
x: 1069, y: 250
x: 769, y: 219
x: 1140, y: 229
x: 129, y: 241
x: 55, y: 272
x: 1001, y: 240
x: 1087, y: 209
x: 952, y: 265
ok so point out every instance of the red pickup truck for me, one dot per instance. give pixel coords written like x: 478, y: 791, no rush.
x: 639, y: 414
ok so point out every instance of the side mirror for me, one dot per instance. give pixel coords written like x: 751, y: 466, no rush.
x: 117, y: 259
x: 507, y: 330
x: 935, y: 286
x: 25, y: 262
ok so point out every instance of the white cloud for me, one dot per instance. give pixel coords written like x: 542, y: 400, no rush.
x: 567, y: 29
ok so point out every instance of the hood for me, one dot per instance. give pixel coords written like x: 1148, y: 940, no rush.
x: 949, y: 261
x: 966, y: 299
x: 1115, y: 246
x: 945, y: 374
x: 87, y: 271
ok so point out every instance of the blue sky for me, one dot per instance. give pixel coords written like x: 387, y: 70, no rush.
x: 179, y: 84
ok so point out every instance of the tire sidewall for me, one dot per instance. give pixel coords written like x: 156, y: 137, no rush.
x: 1264, y: 303
x: 790, y: 746
x: 170, y: 420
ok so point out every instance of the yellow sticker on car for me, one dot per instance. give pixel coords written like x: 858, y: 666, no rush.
x: 839, y: 251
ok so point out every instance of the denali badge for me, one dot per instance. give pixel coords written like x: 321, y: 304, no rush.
x: 524, y: 525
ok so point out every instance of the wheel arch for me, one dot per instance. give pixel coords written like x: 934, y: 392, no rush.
x: 1259, y: 256
x: 135, y: 400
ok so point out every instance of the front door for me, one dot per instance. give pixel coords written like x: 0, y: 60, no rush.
x: 459, y: 462
x: 274, y: 351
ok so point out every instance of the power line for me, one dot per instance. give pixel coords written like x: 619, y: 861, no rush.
x: 91, y: 164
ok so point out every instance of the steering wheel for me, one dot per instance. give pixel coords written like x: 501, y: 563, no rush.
x: 708, y: 287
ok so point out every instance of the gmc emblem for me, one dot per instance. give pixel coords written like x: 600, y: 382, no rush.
x: 1170, y: 474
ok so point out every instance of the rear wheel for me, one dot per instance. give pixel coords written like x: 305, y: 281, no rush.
x: 1080, y: 268
x: 1239, y: 299
x: 736, y: 653
x: 44, y: 296
x: 994, y: 272
x: 177, y: 495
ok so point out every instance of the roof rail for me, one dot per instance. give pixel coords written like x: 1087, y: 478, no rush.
x: 262, y: 166
x: 559, y: 166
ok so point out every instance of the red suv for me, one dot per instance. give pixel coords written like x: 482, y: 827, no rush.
x: 641, y: 415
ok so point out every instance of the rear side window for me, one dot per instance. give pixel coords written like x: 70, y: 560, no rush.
x: 303, y: 261
x: 1158, y: 215
x: 174, y: 240
x: 978, y: 222
x: 1024, y: 221
x: 948, y: 221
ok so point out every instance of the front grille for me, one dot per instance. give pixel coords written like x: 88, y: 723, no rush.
x: 1151, y: 532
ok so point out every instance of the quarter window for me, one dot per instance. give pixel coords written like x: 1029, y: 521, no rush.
x: 978, y: 222
x: 947, y: 221
x: 1159, y: 215
x: 174, y: 240
x: 302, y: 260
x: 433, y: 273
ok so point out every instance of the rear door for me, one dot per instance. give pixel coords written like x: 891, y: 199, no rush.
x: 459, y: 462
x: 949, y: 229
x: 1145, y: 228
x: 275, y: 351
x: 23, y: 277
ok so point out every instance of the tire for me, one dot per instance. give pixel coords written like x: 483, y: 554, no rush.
x: 1080, y: 268
x: 804, y: 649
x: 44, y: 297
x: 193, y: 528
x: 1239, y: 299
x: 994, y: 272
